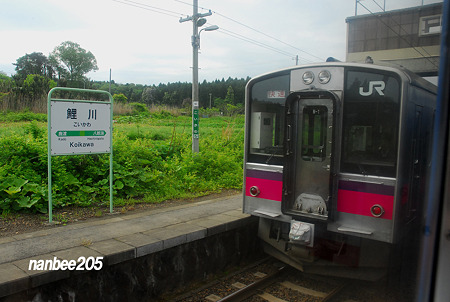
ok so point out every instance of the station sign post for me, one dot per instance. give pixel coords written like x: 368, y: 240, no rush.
x: 195, y: 124
x: 79, y: 127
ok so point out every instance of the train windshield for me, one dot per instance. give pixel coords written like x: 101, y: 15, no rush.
x: 267, y: 119
x: 370, y: 123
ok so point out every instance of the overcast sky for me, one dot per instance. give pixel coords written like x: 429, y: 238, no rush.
x: 143, y: 44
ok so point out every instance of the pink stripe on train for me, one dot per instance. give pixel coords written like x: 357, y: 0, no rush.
x: 269, y: 189
x: 360, y: 203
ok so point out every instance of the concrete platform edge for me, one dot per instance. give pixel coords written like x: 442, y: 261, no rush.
x: 16, y: 277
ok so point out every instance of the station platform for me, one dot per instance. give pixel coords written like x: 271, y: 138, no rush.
x: 118, y: 238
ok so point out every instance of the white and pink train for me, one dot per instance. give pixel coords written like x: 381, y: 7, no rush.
x: 336, y: 158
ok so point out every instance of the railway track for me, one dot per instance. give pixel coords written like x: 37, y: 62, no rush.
x: 271, y: 287
x: 267, y: 280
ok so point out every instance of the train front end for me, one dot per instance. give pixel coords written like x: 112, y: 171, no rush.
x: 322, y: 165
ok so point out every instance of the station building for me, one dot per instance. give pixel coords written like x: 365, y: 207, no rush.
x: 408, y: 37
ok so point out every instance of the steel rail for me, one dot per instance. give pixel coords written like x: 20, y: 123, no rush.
x: 250, y: 289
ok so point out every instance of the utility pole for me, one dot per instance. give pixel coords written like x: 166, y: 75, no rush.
x: 197, y: 21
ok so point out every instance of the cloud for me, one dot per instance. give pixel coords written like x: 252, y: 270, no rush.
x: 146, y: 47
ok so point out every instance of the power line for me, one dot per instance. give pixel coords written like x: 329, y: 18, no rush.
x: 428, y: 57
x: 255, y: 63
x: 150, y: 8
x: 382, y: 8
x: 262, y: 33
x: 186, y: 3
x: 222, y: 30
x: 254, y: 29
x: 257, y: 43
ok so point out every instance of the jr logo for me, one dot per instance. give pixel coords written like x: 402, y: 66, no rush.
x: 378, y: 85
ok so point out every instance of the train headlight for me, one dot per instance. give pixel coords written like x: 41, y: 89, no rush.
x: 254, y: 191
x: 324, y: 76
x: 377, y: 210
x: 308, y: 77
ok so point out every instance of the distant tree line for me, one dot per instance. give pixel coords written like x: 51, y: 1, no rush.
x: 178, y: 94
x: 68, y: 65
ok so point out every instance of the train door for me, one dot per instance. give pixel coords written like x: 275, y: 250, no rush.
x: 308, y: 161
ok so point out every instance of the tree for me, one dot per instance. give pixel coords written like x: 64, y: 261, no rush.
x: 148, y: 95
x: 120, y: 98
x: 72, y: 61
x: 229, y: 99
x: 35, y: 86
x: 4, y: 79
x: 231, y: 91
x: 5, y: 85
x: 170, y: 98
x: 34, y: 63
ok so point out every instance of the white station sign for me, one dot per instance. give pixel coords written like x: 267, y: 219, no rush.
x: 80, y: 127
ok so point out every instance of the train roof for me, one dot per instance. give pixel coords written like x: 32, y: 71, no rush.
x: 408, y: 75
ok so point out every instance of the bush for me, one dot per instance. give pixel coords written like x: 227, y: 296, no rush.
x: 139, y: 108
x: 24, y: 116
x: 151, y: 167
x: 22, y: 173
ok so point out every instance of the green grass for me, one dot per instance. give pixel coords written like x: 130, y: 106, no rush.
x: 152, y: 162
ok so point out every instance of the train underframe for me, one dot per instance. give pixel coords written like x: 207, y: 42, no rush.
x: 332, y: 254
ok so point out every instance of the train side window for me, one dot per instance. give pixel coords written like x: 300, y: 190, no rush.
x: 314, y: 131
